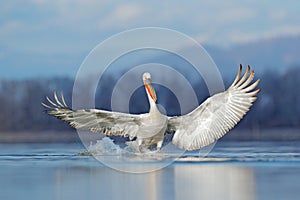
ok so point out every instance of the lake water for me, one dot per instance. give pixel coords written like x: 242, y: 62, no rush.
x: 232, y: 170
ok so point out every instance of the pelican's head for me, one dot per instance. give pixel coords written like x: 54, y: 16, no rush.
x: 149, y: 88
x: 146, y: 77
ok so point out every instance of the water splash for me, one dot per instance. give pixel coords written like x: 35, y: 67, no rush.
x: 106, y: 146
x: 106, y: 149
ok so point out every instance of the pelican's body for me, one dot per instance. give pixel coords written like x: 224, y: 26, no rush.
x: 152, y: 130
x: 204, y: 125
x: 153, y: 124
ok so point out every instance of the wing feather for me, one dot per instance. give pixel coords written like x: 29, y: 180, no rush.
x: 109, y: 123
x: 215, y: 116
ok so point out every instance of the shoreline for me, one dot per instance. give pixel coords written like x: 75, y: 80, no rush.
x: 278, y: 134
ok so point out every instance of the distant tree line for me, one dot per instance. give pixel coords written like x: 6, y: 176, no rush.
x: 21, y: 110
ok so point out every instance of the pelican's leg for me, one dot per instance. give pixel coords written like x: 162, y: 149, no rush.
x: 159, y: 145
x: 140, y: 142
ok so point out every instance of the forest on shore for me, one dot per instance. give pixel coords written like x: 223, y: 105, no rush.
x: 20, y: 102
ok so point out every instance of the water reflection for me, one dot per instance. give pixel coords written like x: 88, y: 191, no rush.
x: 175, y: 182
x: 214, y: 182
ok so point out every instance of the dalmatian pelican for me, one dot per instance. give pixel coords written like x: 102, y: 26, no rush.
x: 204, y: 125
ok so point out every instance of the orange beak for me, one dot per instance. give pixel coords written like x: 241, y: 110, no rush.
x: 150, y: 91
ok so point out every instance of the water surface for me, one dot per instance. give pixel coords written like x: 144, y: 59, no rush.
x: 233, y: 170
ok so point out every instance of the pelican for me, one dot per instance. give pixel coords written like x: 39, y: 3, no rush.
x: 204, y: 125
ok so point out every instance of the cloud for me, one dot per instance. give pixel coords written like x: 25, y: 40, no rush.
x: 61, y: 33
x: 234, y: 15
x: 127, y: 12
x: 238, y: 37
x: 278, y: 15
x: 122, y: 16
x: 77, y: 25
x: 10, y: 27
x: 39, y: 2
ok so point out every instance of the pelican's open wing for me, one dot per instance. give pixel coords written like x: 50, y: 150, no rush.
x: 109, y: 123
x: 215, y: 116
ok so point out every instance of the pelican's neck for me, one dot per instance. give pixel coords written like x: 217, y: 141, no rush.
x: 153, y: 107
x: 150, y: 92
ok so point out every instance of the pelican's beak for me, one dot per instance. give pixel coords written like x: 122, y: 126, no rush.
x: 151, y: 91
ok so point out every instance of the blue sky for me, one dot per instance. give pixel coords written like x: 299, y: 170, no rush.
x: 41, y: 37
